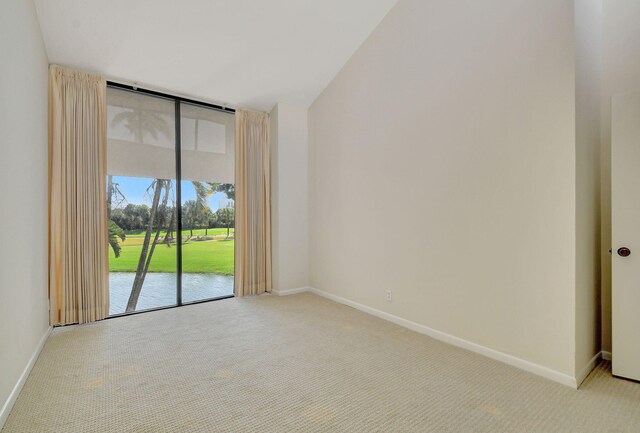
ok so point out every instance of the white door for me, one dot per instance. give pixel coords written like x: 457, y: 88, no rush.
x: 625, y: 236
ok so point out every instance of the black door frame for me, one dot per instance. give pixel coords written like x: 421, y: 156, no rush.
x: 178, y: 100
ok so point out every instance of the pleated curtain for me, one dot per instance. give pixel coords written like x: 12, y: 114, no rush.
x: 78, y: 248
x: 253, y: 205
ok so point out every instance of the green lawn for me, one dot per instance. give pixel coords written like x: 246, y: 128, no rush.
x: 215, y: 256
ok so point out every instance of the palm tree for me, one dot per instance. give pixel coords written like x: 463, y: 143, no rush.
x: 139, y: 121
x: 115, y: 232
x: 155, y: 219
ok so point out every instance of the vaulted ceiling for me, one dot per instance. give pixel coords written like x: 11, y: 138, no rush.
x: 247, y: 53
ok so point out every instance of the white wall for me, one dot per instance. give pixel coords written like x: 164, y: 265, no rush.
x: 442, y: 166
x: 23, y: 188
x: 289, y: 203
x: 621, y: 54
x: 588, y: 28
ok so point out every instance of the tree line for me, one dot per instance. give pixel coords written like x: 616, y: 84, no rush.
x: 195, y: 215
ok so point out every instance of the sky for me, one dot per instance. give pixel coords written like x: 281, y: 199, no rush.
x: 135, y: 191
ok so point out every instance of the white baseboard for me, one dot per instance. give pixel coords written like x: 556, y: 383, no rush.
x: 13, y: 396
x: 606, y: 355
x: 522, y: 364
x: 287, y: 292
x: 582, y: 375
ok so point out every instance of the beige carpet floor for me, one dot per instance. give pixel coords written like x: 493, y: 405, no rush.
x: 295, y: 364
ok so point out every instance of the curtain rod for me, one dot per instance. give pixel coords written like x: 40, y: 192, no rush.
x: 137, y: 89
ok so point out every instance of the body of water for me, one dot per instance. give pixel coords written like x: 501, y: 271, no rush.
x: 159, y: 289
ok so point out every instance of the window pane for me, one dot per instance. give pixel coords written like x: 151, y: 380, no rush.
x: 141, y: 201
x: 208, y: 193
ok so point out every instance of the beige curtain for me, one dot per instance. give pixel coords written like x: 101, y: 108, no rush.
x: 78, y: 254
x: 253, y: 205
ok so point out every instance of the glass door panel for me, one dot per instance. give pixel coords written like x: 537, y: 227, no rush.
x: 141, y: 201
x: 207, y: 199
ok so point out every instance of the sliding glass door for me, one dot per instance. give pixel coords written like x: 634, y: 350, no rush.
x: 170, y: 201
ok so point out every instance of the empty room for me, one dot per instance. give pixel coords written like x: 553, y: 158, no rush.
x: 320, y: 216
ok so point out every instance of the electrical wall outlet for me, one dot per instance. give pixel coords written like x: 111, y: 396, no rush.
x: 389, y: 296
